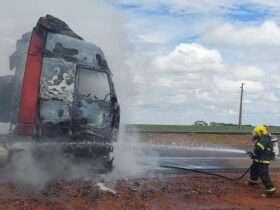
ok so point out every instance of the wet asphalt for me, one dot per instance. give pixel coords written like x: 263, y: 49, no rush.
x: 206, y: 157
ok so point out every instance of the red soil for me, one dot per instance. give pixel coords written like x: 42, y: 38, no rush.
x: 199, y: 192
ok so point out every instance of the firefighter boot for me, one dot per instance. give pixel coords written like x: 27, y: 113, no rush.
x: 269, y: 192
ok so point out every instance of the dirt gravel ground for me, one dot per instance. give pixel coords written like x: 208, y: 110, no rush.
x: 184, y: 192
x: 189, y: 192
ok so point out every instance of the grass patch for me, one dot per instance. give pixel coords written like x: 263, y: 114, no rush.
x: 153, y: 128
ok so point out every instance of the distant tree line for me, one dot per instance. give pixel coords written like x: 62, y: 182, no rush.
x: 213, y: 124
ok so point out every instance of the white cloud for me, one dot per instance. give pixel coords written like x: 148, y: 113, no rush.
x: 160, y: 29
x: 272, y: 97
x: 275, y: 82
x: 228, y: 85
x: 190, y: 58
x: 270, y: 3
x: 158, y: 37
x: 199, y: 79
x: 248, y: 73
x: 266, y: 34
x: 244, y: 52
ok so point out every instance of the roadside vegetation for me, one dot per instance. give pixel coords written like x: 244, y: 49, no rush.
x: 197, y: 128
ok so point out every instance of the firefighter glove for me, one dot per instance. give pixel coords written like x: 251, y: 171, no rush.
x: 251, y: 155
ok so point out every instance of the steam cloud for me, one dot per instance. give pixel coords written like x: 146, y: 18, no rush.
x: 100, y: 23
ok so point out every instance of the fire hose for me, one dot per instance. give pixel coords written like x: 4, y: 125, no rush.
x: 207, y: 173
x: 210, y: 173
x: 250, y: 154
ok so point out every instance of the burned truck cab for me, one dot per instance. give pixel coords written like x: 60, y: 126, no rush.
x: 63, y: 88
x: 77, y: 95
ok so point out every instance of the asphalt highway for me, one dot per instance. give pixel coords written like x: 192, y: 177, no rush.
x: 206, y: 157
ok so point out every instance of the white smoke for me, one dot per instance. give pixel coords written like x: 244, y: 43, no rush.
x: 98, y: 22
x: 26, y: 168
x: 132, y: 160
x: 4, y: 128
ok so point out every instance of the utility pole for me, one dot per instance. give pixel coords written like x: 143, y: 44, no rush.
x: 241, y: 105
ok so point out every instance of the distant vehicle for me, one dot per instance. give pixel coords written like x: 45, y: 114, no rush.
x: 200, y: 123
x: 62, y: 91
x: 222, y: 124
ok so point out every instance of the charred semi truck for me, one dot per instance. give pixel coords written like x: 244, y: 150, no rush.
x: 61, y: 92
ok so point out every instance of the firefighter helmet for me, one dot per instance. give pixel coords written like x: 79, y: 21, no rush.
x: 260, y: 130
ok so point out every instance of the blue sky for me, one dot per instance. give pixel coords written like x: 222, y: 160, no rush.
x: 248, y: 13
x: 242, y: 12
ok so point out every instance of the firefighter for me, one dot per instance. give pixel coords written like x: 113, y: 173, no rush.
x: 262, y: 156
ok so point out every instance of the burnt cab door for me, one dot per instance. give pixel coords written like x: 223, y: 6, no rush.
x: 56, y: 95
x: 92, y: 99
